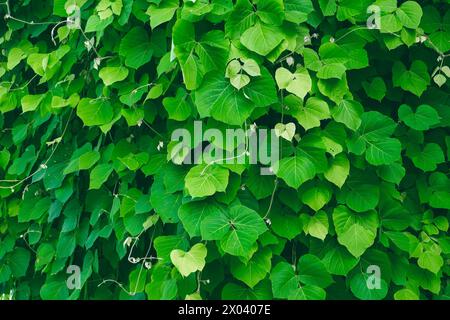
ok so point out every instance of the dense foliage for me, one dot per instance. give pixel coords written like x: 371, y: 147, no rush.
x: 88, y: 104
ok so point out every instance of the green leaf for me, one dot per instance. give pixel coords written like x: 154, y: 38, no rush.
x: 19, y: 261
x: 427, y: 158
x: 331, y: 70
x: 255, y: 270
x: 405, y: 294
x: 310, y: 115
x: 297, y: 11
x: 198, y: 57
x: 238, y: 229
x: 415, y: 80
x: 164, y: 245
x: 431, y: 260
x: 316, y: 196
x: 422, y: 119
x: 359, y: 285
x: 376, y: 89
x: 409, y: 13
x: 95, y: 112
x: 349, y: 113
x: 338, y: 170
x: 88, y: 159
x: 285, y: 225
x: 261, y: 291
x: 261, y: 89
x: 177, y: 107
x: 383, y: 152
x: 313, y: 272
x: 328, y: 7
x: 54, y: 290
x: 192, y: 214
x: 111, y: 75
x: 338, y: 260
x: 360, y: 196
x: 286, y: 131
x: 136, y: 48
x: 262, y: 38
x: 219, y: 99
x: 286, y: 285
x: 296, y: 170
x: 99, y: 175
x: 356, y: 232
x: 31, y: 102
x: 191, y: 261
x: 206, y: 180
x: 162, y: 12
x: 317, y: 225
x: 298, y: 83
x: 271, y: 11
x: 239, y: 81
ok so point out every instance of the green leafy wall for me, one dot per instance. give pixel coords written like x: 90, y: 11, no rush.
x: 88, y: 104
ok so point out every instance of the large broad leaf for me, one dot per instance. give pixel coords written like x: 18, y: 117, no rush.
x: 297, y: 11
x: 205, y: 180
x: 373, y: 137
x: 238, y: 229
x: 95, y: 112
x: 136, y: 48
x: 426, y: 158
x: 422, y: 119
x: 359, y: 285
x: 271, y: 11
x: 431, y: 259
x: 191, y: 261
x: 162, y: 13
x: 54, y: 289
x: 111, y: 75
x: 298, y: 83
x: 359, y: 195
x: 99, y: 175
x: 192, y: 214
x: 286, y: 285
x: 261, y: 291
x: 376, y: 126
x: 328, y: 7
x: 261, y: 89
x: 414, y: 80
x: 316, y: 196
x: 178, y: 107
x: 383, y: 152
x: 262, y: 38
x: 19, y: 261
x: 198, y: 57
x: 338, y: 170
x: 296, y: 170
x: 219, y: 99
x: 310, y: 115
x: 338, y: 260
x: 284, y: 224
x: 409, y: 14
x: 313, y: 272
x: 355, y: 231
x: 255, y: 270
x: 349, y: 113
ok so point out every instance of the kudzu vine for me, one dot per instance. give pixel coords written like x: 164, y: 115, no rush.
x: 94, y: 188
